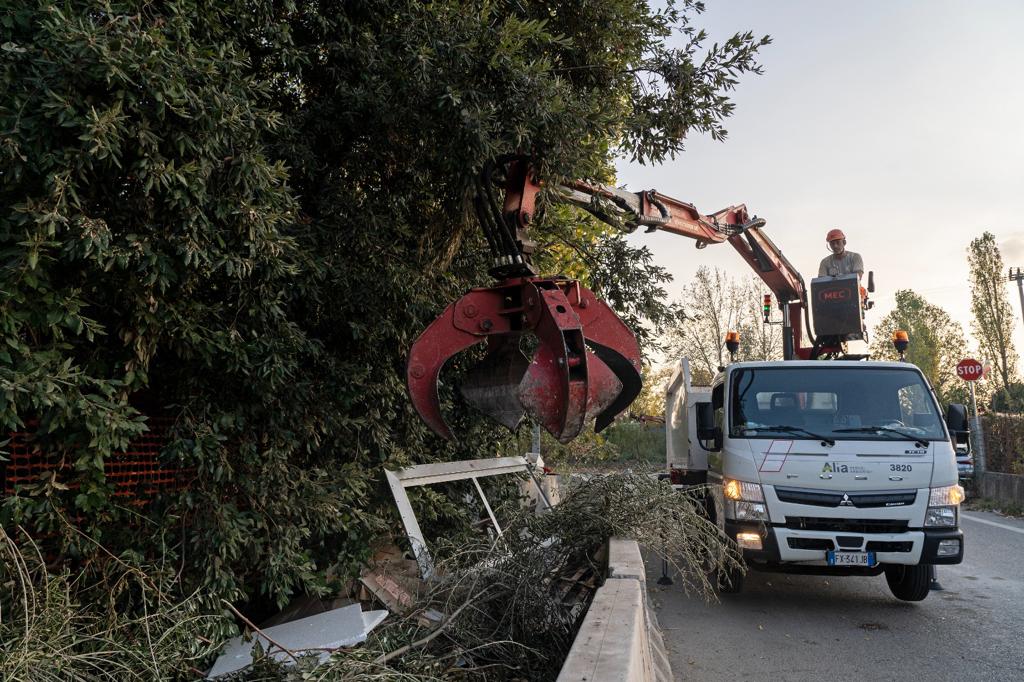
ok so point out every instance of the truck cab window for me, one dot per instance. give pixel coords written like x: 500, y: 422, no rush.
x: 829, y: 400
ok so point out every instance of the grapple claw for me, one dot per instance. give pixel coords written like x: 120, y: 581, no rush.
x: 555, y: 388
x: 586, y: 365
x: 613, y: 342
x: 448, y: 335
x: 492, y: 386
x: 605, y: 388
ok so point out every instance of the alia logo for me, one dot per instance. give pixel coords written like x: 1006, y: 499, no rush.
x: 838, y: 468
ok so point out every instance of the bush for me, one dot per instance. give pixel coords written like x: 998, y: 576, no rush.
x: 1004, y: 442
x: 1009, y: 399
x: 638, y: 442
x: 239, y: 216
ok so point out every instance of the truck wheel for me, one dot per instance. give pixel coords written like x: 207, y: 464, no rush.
x: 730, y: 581
x: 909, y: 583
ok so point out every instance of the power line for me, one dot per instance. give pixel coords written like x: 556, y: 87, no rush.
x: 1017, y: 276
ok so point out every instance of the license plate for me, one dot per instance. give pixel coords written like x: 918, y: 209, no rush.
x: 851, y: 558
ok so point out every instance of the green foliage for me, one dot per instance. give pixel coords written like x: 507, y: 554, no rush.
x: 1004, y: 443
x: 117, y: 619
x: 937, y: 343
x: 993, y: 319
x: 1010, y: 399
x: 508, y: 616
x: 148, y: 266
x: 642, y: 443
x: 241, y: 214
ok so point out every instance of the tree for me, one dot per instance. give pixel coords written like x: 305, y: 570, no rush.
x: 713, y: 304
x: 1009, y: 400
x: 937, y: 343
x: 758, y: 341
x: 240, y: 215
x: 651, y: 401
x: 992, y: 318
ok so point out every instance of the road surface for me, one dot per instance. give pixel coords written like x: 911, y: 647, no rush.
x: 788, y: 627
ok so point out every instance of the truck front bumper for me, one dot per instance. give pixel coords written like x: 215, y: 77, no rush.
x: 781, y: 545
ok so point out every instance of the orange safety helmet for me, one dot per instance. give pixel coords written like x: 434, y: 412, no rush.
x: 834, y: 234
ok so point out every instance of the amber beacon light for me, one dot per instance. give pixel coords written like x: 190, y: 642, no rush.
x: 900, y: 340
x: 732, y: 342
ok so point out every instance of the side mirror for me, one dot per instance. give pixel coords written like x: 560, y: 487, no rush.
x: 956, y: 421
x: 956, y: 417
x: 871, y: 281
x: 706, y: 429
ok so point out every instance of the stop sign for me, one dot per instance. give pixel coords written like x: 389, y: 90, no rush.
x: 969, y: 370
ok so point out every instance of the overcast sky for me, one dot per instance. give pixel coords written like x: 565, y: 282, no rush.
x: 901, y: 123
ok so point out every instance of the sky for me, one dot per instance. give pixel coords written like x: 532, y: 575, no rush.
x: 902, y: 123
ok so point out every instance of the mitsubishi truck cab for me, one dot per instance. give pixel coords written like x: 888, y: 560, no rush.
x: 837, y: 468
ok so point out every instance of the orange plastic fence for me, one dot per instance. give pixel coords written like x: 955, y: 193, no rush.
x: 137, y: 474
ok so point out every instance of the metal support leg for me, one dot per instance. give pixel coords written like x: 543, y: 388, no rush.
x: 664, y: 579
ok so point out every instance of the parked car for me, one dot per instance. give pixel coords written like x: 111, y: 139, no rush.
x: 964, y: 462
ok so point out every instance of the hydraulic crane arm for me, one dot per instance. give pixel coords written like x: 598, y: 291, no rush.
x: 657, y: 211
x: 587, y: 361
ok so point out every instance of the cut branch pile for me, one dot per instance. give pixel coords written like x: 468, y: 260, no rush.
x: 499, y: 608
x: 510, y: 607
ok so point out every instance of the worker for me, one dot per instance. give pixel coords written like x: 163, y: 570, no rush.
x: 841, y: 262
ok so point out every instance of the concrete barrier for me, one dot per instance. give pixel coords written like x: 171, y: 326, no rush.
x: 620, y: 640
x: 1003, y: 488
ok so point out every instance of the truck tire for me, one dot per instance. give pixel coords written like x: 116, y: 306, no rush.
x: 730, y: 581
x: 909, y: 583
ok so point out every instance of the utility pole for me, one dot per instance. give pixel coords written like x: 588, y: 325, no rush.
x: 979, y: 439
x: 1017, y: 276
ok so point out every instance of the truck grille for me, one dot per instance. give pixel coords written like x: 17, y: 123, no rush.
x: 879, y: 546
x: 810, y: 543
x: 869, y: 500
x: 846, y: 525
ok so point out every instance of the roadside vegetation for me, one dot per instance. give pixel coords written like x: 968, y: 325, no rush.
x: 237, y: 217
x: 506, y: 615
x: 988, y: 504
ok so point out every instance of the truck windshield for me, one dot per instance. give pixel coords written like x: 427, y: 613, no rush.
x: 840, y: 403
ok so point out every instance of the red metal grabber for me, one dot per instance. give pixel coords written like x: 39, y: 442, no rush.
x: 587, y: 361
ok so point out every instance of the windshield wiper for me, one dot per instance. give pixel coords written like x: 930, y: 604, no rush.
x: 884, y: 429
x: 795, y: 429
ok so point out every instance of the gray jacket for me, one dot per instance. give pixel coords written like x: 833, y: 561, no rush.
x: 849, y: 263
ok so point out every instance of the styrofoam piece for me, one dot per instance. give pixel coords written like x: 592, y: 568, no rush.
x: 346, y: 626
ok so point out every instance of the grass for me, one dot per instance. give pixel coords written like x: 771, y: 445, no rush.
x: 116, y: 624
x: 988, y: 504
x: 637, y: 442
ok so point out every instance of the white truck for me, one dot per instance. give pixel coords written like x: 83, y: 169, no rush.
x: 818, y: 463
x: 837, y: 468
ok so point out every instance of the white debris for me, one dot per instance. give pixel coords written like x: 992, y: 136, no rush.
x: 314, y: 635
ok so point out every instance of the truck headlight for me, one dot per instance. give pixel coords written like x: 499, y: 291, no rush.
x: 942, y: 506
x: 947, y: 495
x: 940, y: 516
x: 741, y: 490
x: 744, y: 501
x: 749, y: 511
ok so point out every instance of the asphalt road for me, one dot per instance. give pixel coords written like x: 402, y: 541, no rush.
x: 788, y: 627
